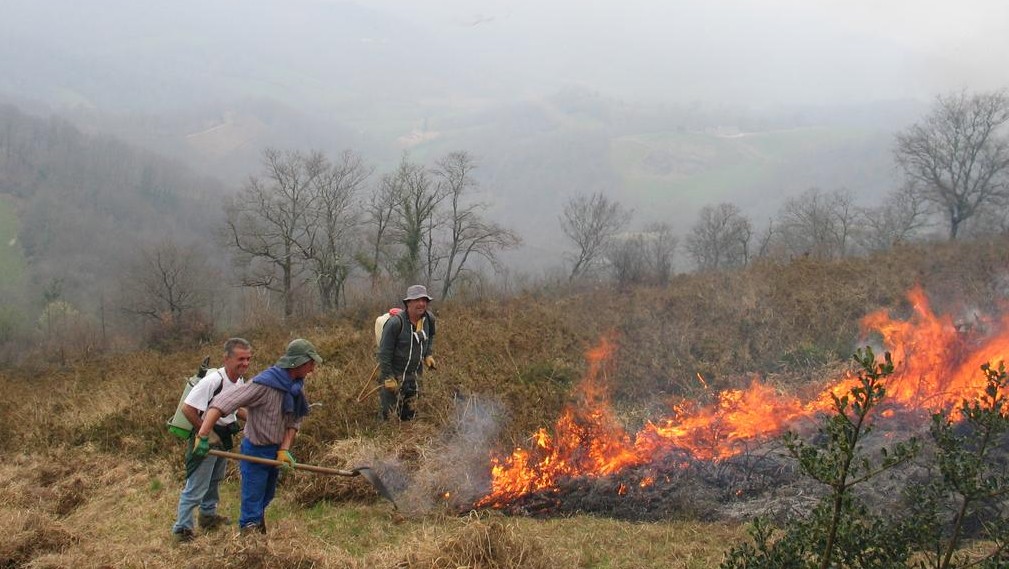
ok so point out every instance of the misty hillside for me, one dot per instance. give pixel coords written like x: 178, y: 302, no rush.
x: 665, y: 163
x: 560, y: 112
x: 76, y: 207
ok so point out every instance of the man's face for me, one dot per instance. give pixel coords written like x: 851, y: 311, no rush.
x: 416, y: 308
x: 302, y: 371
x: 237, y: 362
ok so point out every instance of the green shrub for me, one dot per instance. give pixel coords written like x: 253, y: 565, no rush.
x: 841, y: 531
x: 974, y: 481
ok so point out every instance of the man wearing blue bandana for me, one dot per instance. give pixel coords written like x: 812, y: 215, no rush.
x: 275, y: 404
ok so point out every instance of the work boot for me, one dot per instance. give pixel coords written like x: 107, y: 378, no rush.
x: 183, y: 535
x: 213, y: 521
x: 251, y: 528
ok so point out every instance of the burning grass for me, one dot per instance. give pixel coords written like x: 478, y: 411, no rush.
x: 589, y: 462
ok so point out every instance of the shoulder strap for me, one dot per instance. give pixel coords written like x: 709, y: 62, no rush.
x: 220, y: 385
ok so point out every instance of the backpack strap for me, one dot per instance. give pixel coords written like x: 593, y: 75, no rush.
x: 220, y: 386
x: 402, y: 321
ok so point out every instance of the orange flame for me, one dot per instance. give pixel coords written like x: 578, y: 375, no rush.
x: 935, y: 368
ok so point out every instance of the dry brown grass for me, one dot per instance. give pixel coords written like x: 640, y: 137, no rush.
x: 93, y: 477
x: 489, y: 544
x: 28, y: 534
x: 124, y: 518
x: 792, y: 321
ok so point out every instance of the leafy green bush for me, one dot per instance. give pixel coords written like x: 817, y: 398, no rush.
x: 974, y: 480
x: 841, y: 531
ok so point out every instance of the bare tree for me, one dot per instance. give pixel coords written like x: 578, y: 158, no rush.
x: 330, y: 237
x: 765, y: 240
x: 164, y: 282
x: 628, y: 259
x: 958, y: 156
x: 267, y: 223
x: 379, y: 213
x: 660, y: 246
x: 902, y: 215
x: 469, y: 235
x: 643, y: 257
x: 817, y: 223
x: 591, y: 222
x: 720, y: 238
x: 988, y: 222
x: 414, y: 218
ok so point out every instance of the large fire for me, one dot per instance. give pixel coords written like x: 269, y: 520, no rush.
x: 936, y: 367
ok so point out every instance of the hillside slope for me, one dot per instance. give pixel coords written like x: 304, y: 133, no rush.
x: 507, y: 367
x: 86, y: 203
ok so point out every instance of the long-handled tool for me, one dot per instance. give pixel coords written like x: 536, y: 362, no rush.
x: 366, y: 472
x: 364, y: 390
x: 361, y: 397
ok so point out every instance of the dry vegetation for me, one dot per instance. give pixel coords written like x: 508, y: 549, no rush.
x: 90, y: 477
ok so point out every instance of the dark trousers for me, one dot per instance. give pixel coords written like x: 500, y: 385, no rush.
x: 259, y: 483
x: 400, y: 403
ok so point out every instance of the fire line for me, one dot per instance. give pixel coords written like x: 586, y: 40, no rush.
x: 936, y: 368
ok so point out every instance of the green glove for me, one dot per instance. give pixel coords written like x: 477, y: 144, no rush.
x: 202, y: 446
x: 286, y: 457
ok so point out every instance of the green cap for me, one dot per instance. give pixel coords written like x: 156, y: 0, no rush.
x: 298, y: 352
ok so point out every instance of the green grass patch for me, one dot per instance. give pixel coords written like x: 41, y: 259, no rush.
x: 12, y: 265
x: 701, y: 168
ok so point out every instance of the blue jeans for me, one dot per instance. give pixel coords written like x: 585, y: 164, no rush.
x: 201, y: 489
x: 259, y: 483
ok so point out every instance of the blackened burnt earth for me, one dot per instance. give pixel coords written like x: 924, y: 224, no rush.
x: 675, y: 487
x: 764, y: 481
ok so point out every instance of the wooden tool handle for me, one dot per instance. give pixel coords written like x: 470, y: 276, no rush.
x: 271, y: 462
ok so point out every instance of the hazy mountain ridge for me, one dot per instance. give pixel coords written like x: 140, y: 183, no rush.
x: 663, y: 162
x: 86, y: 203
x: 667, y: 162
x: 211, y: 85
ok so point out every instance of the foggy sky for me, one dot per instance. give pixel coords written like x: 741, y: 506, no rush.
x: 747, y: 52
x: 756, y: 53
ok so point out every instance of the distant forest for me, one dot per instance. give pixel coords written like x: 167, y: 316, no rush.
x: 86, y: 206
x: 109, y: 243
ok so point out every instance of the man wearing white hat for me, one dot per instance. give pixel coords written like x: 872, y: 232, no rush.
x: 406, y: 347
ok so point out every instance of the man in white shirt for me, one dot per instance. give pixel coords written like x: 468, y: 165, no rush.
x: 204, y: 474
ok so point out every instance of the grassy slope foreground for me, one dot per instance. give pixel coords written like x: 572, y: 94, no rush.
x: 91, y: 477
x: 76, y: 509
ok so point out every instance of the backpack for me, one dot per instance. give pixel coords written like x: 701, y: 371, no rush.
x: 381, y: 320
x: 178, y: 424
